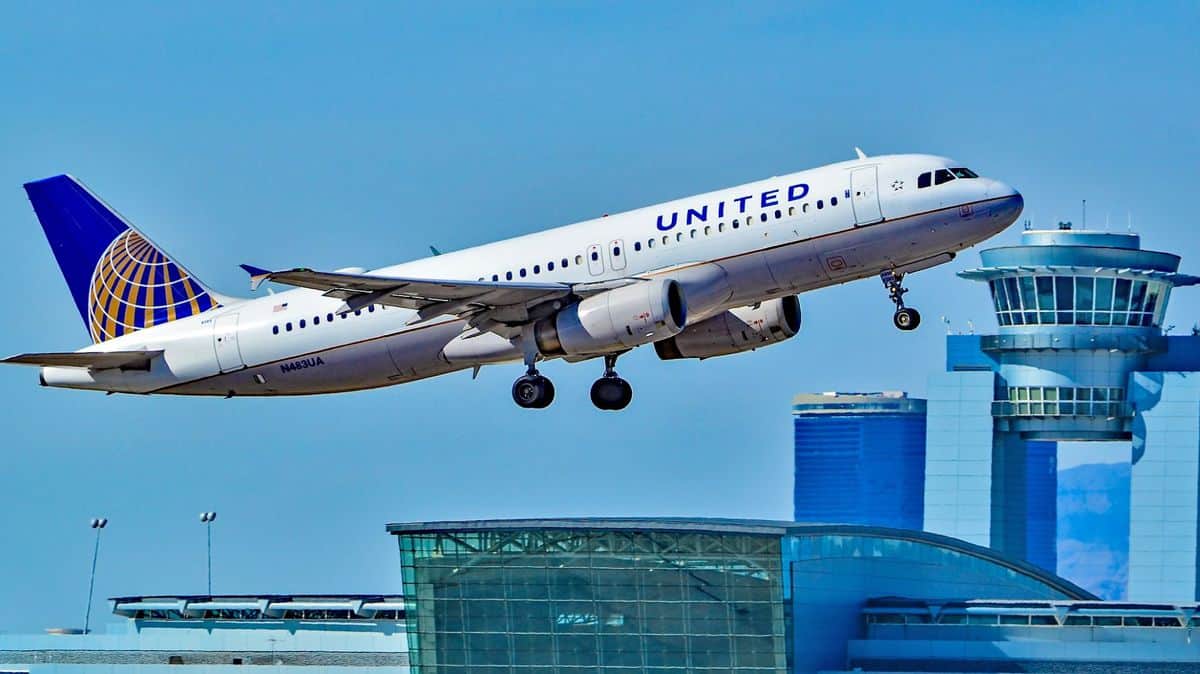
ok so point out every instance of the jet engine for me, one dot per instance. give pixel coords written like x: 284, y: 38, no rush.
x: 615, y: 320
x: 735, y: 331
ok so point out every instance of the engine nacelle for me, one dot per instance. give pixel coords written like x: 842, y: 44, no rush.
x: 735, y: 331
x: 615, y: 320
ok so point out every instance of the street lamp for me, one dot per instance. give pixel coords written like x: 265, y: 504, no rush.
x: 98, y: 523
x: 207, y: 519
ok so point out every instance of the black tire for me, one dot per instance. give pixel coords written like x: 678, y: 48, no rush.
x: 907, y: 319
x: 533, y: 391
x: 611, y: 393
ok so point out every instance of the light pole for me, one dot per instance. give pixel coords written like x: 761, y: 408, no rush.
x: 98, y: 523
x: 207, y: 519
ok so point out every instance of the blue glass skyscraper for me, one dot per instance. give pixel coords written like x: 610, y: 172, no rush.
x: 859, y: 459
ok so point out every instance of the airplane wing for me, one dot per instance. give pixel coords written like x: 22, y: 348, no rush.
x: 95, y: 360
x: 500, y: 307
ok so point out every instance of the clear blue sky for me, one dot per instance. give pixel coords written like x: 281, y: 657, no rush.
x: 312, y: 134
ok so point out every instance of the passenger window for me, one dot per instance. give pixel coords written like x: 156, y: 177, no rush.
x: 537, y: 268
x: 357, y: 312
x: 666, y: 239
x: 328, y: 318
x: 804, y: 208
x: 693, y: 234
x: 721, y: 226
x: 763, y: 217
x: 595, y: 256
x: 735, y: 223
x: 942, y: 176
x: 549, y: 266
x: 791, y: 211
x: 316, y: 320
x: 707, y: 230
x: 778, y: 214
x: 288, y: 326
x: 637, y: 245
x: 564, y: 263
x: 523, y: 270
x: 679, y: 236
x: 650, y: 243
x: 820, y: 204
x: 833, y: 201
x: 274, y: 329
x: 578, y: 259
x: 508, y: 275
x: 924, y: 180
x: 495, y: 277
x: 302, y: 326
x: 371, y: 309
x: 616, y: 251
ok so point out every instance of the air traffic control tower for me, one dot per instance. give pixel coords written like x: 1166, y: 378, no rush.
x: 1080, y: 355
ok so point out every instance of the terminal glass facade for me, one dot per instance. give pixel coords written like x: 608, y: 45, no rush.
x: 492, y: 601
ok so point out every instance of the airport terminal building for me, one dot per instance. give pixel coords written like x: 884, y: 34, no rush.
x: 647, y: 595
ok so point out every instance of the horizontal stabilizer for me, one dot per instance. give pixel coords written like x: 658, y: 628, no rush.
x: 95, y: 360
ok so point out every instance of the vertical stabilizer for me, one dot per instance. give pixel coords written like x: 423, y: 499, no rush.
x: 121, y: 282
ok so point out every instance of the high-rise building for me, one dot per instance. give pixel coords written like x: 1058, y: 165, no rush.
x: 859, y: 458
x: 1080, y: 355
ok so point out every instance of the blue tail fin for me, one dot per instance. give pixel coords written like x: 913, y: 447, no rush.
x: 120, y: 280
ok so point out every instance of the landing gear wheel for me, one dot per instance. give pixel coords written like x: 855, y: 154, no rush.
x: 611, y: 393
x: 907, y: 318
x: 533, y: 391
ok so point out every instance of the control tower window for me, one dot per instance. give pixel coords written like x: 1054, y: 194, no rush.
x: 964, y: 173
x: 942, y: 176
x: 925, y: 179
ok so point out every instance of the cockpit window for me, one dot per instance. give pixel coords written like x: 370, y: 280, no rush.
x: 925, y: 179
x: 964, y: 173
x: 942, y: 176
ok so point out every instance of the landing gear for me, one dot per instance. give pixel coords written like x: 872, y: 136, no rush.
x: 905, y: 318
x: 610, y: 392
x: 532, y: 390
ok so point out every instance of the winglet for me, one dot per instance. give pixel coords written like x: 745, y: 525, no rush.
x: 434, y: 250
x: 257, y: 275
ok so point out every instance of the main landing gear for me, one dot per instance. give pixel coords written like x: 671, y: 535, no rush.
x: 905, y: 318
x: 533, y: 391
x: 610, y: 392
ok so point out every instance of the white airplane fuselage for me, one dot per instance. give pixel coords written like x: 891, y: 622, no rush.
x: 789, y: 238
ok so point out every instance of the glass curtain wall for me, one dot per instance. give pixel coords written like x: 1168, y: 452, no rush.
x: 1079, y: 300
x: 496, y: 602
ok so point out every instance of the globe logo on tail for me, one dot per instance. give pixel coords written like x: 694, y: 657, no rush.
x: 136, y: 286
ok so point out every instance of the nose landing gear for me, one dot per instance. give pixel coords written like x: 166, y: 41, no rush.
x: 610, y: 392
x: 905, y: 318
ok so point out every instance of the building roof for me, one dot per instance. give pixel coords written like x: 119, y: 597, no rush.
x: 837, y: 402
x: 745, y: 527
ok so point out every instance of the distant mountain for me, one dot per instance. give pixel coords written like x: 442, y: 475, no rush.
x: 1093, y: 527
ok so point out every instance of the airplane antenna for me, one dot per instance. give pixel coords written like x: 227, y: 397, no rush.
x: 970, y: 327
x: 1129, y: 220
x: 860, y: 153
x: 1084, y: 214
x: 947, y: 322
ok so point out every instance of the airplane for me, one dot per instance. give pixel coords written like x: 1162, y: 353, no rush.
x: 708, y: 275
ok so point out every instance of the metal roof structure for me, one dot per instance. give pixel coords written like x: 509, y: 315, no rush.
x: 744, y: 527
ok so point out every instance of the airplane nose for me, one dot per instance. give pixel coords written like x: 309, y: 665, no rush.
x: 996, y: 188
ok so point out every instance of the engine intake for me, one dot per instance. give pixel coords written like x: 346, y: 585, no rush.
x: 735, y: 331
x: 615, y: 320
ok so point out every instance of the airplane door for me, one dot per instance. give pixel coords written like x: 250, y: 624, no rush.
x: 595, y: 259
x: 616, y: 254
x: 225, y: 342
x: 864, y: 185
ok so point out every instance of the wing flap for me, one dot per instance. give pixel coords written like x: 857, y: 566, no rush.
x: 412, y: 293
x: 94, y: 360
